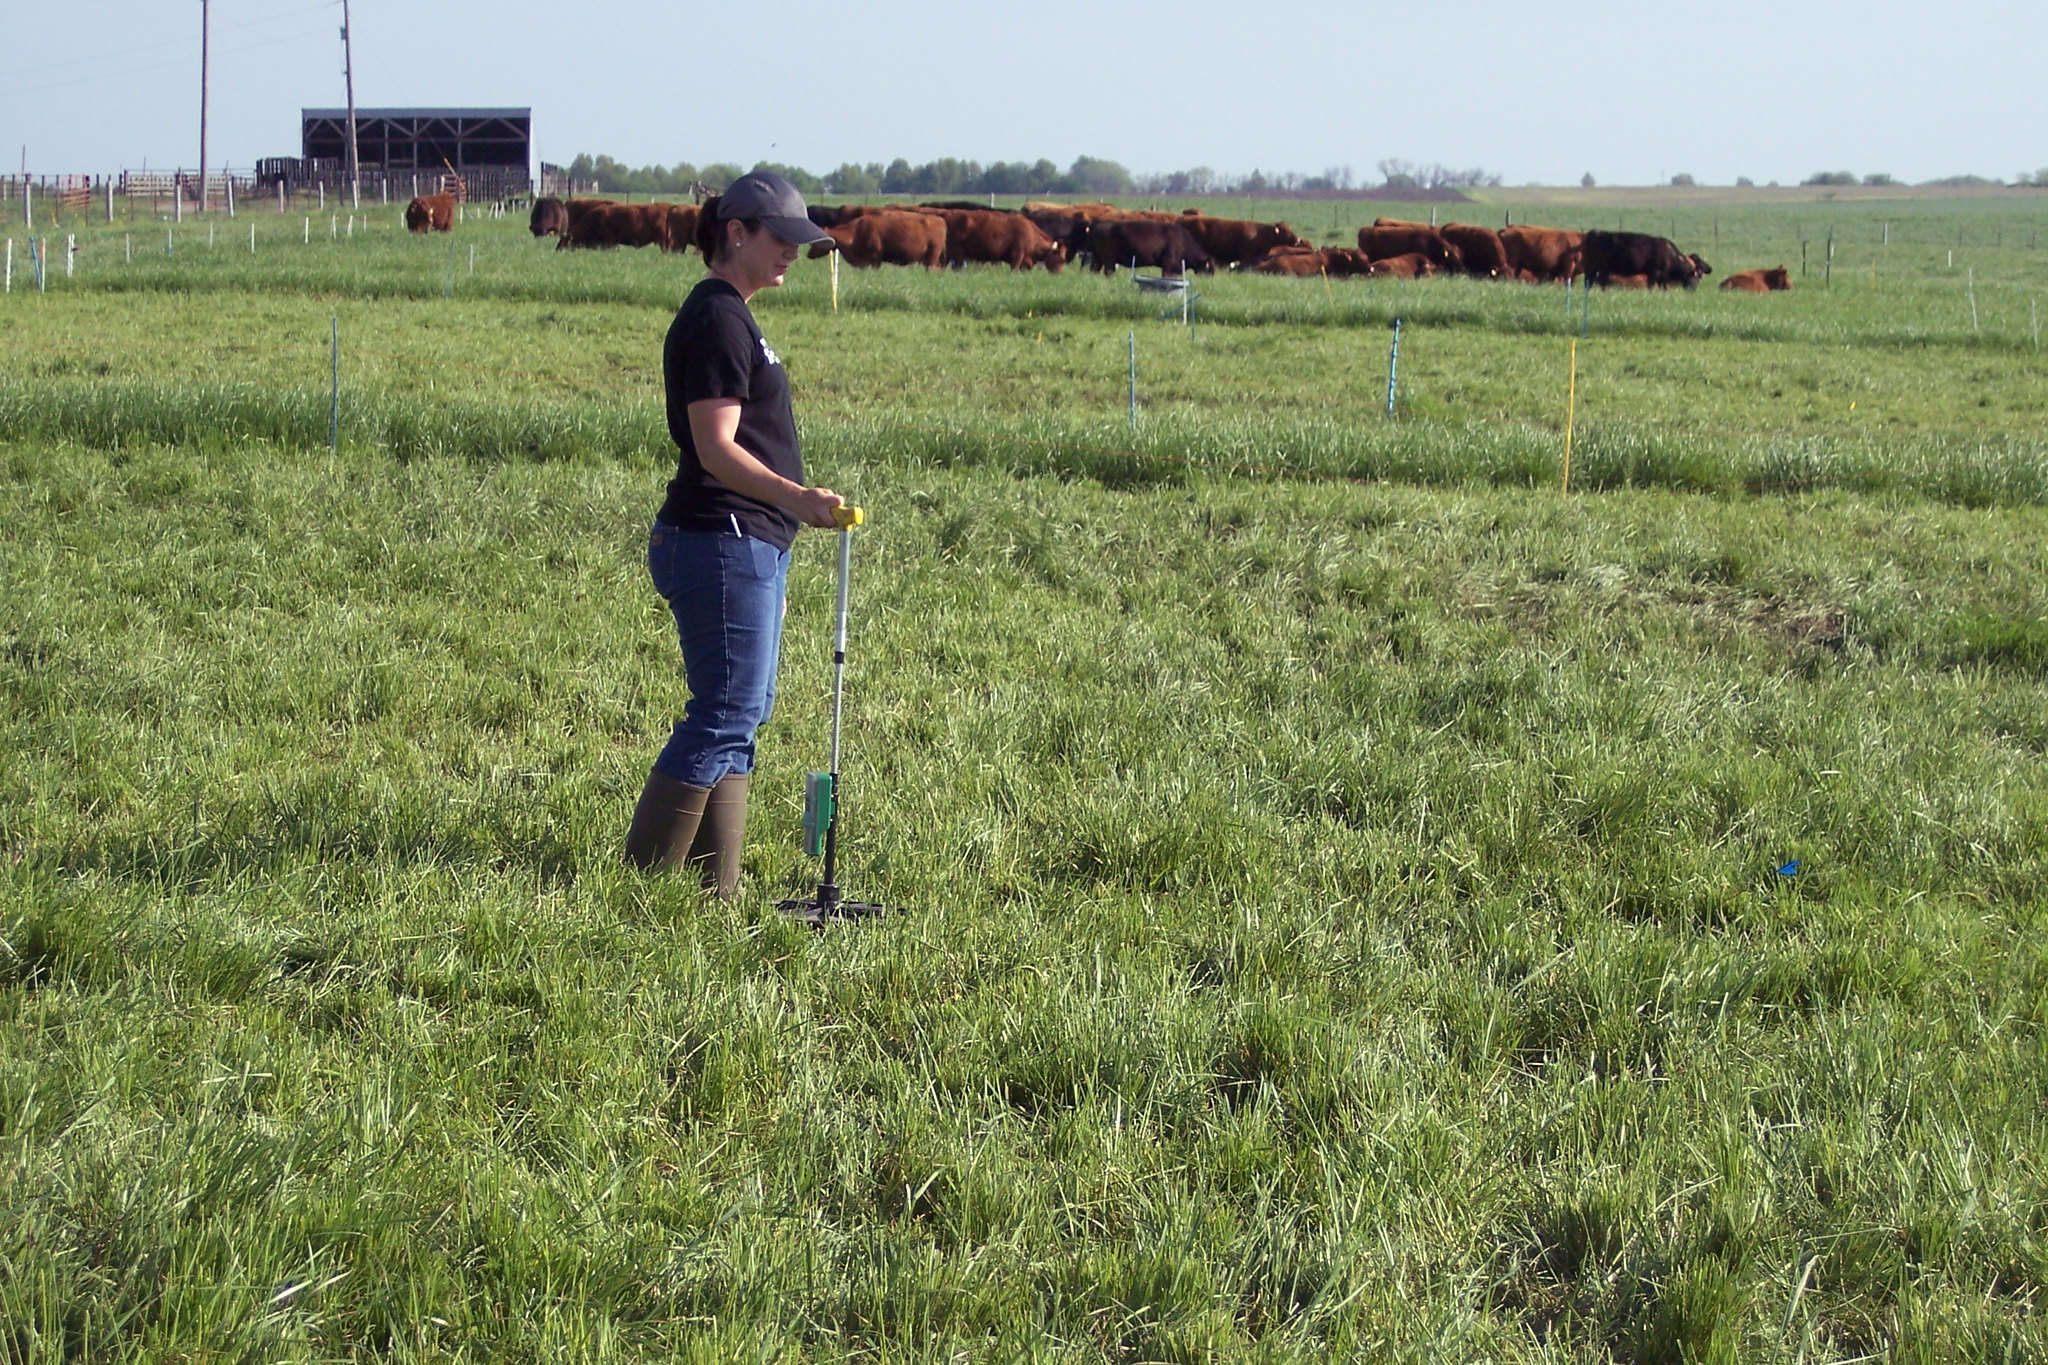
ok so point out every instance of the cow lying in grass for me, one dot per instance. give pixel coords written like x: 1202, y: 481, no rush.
x: 1770, y: 281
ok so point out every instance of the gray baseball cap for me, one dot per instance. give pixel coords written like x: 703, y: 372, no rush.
x: 773, y: 200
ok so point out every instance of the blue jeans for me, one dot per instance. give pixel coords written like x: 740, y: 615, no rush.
x: 726, y: 591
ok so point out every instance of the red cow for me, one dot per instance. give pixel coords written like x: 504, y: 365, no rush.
x: 550, y: 217
x: 1412, y: 265
x: 1760, y: 281
x: 431, y: 211
x: 1481, y: 250
x: 1232, y: 241
x: 874, y: 239
x: 1391, y: 237
x: 1544, y: 255
x: 605, y: 225
x: 999, y: 236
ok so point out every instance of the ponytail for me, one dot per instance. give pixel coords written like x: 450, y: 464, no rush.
x: 706, y: 237
x: 710, y: 235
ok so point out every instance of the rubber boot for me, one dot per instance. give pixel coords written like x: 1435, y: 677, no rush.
x: 722, y: 836
x: 665, y: 823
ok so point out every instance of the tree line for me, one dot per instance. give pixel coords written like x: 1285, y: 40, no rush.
x: 1088, y: 175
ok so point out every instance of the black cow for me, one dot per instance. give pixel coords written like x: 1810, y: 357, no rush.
x: 1169, y: 246
x: 1607, y: 255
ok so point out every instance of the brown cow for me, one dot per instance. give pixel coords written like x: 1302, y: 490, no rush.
x: 1233, y: 241
x: 1344, y: 260
x: 1389, y: 237
x: 435, y: 211
x: 550, y: 217
x: 1288, y: 260
x: 1114, y: 242
x: 1548, y: 255
x: 606, y: 225
x: 873, y: 239
x: 682, y: 227
x: 1481, y: 250
x: 1411, y: 266
x: 1760, y: 281
x: 999, y: 236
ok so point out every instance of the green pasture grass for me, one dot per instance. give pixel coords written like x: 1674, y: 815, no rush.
x: 1482, y: 398
x: 1345, y: 916
x: 1343, y: 922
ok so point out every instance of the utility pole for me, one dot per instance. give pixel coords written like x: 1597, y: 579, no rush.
x: 204, y: 7
x: 348, y: 76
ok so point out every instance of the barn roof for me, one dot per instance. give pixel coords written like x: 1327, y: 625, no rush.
x: 418, y: 112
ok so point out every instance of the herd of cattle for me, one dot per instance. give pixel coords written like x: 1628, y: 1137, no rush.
x: 1105, y: 237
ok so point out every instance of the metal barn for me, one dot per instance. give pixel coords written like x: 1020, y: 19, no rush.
x: 491, y: 149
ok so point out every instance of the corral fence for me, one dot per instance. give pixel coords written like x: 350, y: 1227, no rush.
x: 278, y: 182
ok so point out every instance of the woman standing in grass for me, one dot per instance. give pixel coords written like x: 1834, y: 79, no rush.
x: 719, y: 548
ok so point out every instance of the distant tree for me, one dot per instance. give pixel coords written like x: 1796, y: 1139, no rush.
x: 1880, y: 178
x: 718, y: 175
x: 1959, y: 181
x: 1093, y: 175
x: 1586, y: 181
x: 1682, y: 179
x: 806, y: 183
x: 1256, y: 183
x: 897, y: 178
x: 1744, y: 182
x: 1830, y: 178
x: 1398, y: 174
x: 855, y: 179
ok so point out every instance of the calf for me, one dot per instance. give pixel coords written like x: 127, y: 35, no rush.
x: 1760, y: 281
x: 1411, y: 265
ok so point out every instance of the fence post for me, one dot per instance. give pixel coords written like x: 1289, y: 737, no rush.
x: 1393, y: 366
x: 334, y: 386
x: 28, y: 212
x: 252, y: 239
x: 229, y: 182
x: 110, y: 198
x: 128, y: 248
x: 1134, y: 381
x: 70, y: 253
x: 1971, y: 285
x: 2034, y: 310
x: 1571, y: 404
x: 167, y: 243
x: 8, y: 288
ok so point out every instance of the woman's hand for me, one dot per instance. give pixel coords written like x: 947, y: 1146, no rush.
x: 813, y: 507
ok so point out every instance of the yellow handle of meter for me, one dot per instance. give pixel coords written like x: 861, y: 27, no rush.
x: 846, y: 516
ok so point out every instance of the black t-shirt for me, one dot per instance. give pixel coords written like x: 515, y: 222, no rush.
x: 714, y: 350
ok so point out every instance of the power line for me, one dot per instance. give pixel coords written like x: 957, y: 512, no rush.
x: 99, y: 77
x: 183, y: 41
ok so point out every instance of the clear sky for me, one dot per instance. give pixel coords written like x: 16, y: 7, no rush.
x: 1632, y: 92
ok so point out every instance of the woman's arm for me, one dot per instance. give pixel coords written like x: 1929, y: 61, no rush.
x: 714, y: 425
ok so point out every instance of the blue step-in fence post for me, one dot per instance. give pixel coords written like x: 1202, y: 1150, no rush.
x: 1393, y: 366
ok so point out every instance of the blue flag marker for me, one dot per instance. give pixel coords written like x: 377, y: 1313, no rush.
x: 1790, y: 869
